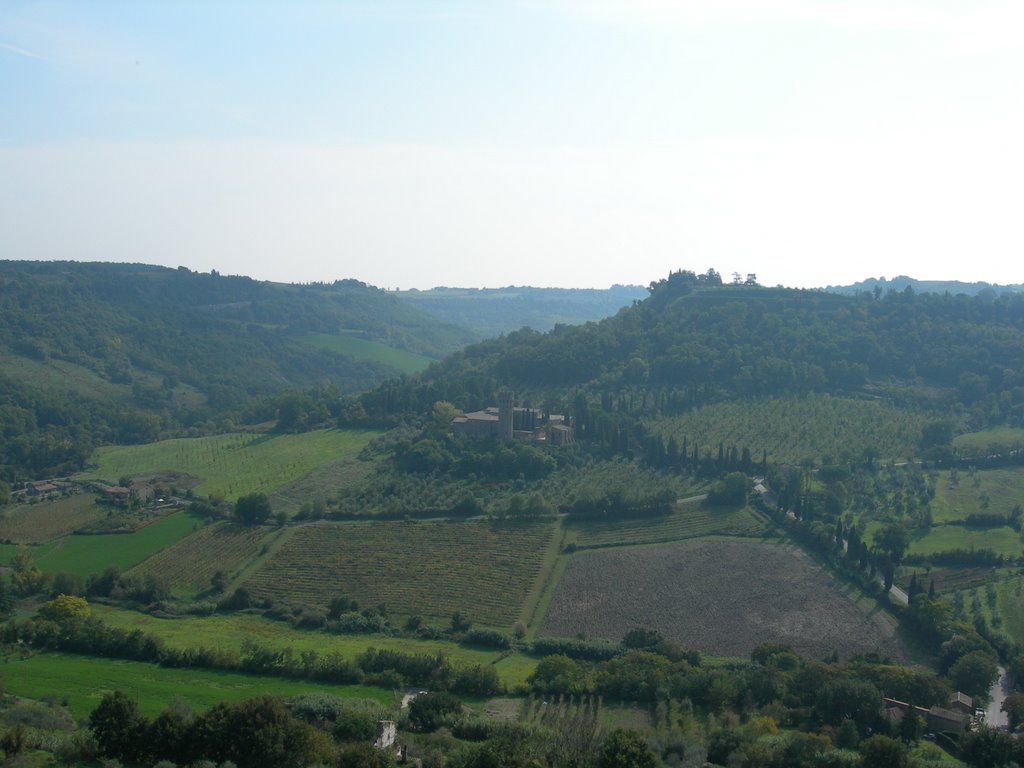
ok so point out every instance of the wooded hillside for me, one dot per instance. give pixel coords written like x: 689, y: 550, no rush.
x: 96, y: 353
x: 696, y: 340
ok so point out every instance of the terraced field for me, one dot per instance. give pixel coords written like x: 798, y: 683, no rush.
x: 432, y: 569
x: 36, y: 523
x: 189, y: 564
x: 233, y: 464
x: 690, y: 522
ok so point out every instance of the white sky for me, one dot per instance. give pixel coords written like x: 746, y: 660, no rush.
x: 569, y: 143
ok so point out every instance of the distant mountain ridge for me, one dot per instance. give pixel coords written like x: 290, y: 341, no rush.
x: 902, y: 282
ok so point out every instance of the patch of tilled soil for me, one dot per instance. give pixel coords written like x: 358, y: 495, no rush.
x: 719, y: 597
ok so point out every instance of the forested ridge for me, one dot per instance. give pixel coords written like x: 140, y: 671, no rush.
x: 96, y: 353
x: 696, y: 340
x: 491, y: 312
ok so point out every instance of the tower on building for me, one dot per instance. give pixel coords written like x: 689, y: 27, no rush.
x: 506, y: 403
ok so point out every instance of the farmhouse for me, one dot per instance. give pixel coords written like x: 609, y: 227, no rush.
x: 962, y: 703
x: 114, y: 494
x: 507, y: 422
x: 936, y: 718
x: 41, y: 488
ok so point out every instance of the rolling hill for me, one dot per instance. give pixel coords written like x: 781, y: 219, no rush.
x: 99, y: 353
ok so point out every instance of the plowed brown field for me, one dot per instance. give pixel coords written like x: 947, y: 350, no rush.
x: 719, y: 597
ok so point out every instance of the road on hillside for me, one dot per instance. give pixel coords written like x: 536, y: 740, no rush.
x: 994, y: 715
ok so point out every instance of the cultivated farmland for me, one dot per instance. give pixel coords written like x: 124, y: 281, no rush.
x: 690, y: 521
x: 234, y: 464
x: 190, y: 564
x: 36, y: 523
x: 793, y: 429
x: 483, y: 570
x: 722, y: 597
x: 365, y: 349
x: 83, y: 555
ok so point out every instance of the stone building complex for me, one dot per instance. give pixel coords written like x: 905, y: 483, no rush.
x: 506, y: 422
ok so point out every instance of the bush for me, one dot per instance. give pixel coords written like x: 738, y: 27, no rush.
x: 488, y: 638
x: 575, y: 649
x: 358, y: 623
x: 429, y: 711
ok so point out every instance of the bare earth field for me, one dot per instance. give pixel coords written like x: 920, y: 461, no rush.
x: 718, y: 597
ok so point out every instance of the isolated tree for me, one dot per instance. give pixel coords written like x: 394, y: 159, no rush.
x: 974, y: 672
x: 557, y: 674
x: 169, y: 735
x: 626, y: 749
x: 253, y: 509
x: 856, y: 700
x: 26, y: 578
x: 642, y: 638
x: 912, y: 725
x: 883, y: 752
x: 429, y: 711
x: 14, y: 742
x: 1013, y: 706
x: 119, y: 727
x: 364, y: 755
x: 258, y: 733
x: 460, y: 623
x: 66, y: 584
x: 987, y: 748
x: 442, y: 414
x: 730, y: 490
x: 66, y: 610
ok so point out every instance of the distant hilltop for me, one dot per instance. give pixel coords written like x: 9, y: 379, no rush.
x: 902, y: 282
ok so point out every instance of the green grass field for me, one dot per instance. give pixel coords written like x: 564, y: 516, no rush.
x: 793, y: 429
x: 1010, y: 602
x: 229, y: 631
x: 59, y: 375
x: 92, y: 554
x: 188, y: 565
x: 46, y: 520
x: 432, y: 569
x: 690, y: 521
x: 234, y: 464
x: 85, y: 679
x: 63, y: 376
x: 1003, y: 488
x: 989, y: 441
x: 364, y: 349
x: 1004, y: 541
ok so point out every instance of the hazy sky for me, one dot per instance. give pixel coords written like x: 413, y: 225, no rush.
x: 489, y: 143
